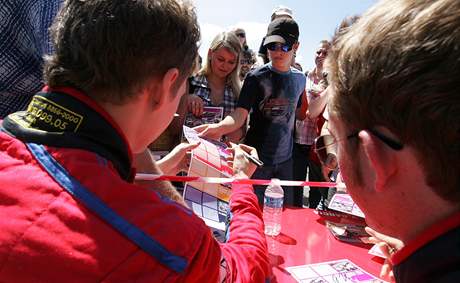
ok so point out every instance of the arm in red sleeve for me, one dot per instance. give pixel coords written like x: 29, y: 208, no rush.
x: 246, y: 250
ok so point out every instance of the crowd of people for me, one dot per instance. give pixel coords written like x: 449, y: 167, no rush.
x: 380, y: 110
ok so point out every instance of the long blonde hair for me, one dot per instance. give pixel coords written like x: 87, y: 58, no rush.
x: 230, y: 41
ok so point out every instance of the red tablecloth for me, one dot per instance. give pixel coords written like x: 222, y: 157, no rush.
x: 304, y: 239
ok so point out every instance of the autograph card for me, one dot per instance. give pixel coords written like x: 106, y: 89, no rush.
x: 209, y: 201
x: 213, y: 211
x: 209, y: 159
x: 344, y: 203
x: 210, y: 115
x: 342, y: 270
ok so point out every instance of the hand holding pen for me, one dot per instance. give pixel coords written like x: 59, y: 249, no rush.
x: 244, y: 158
x: 252, y: 158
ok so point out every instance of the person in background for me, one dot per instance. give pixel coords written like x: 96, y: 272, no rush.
x: 298, y: 66
x: 218, y: 82
x: 272, y: 95
x: 394, y: 117
x: 199, y: 65
x: 24, y: 40
x: 278, y: 13
x: 307, y: 130
x: 329, y: 165
x: 247, y: 56
x: 69, y: 210
x: 318, y: 106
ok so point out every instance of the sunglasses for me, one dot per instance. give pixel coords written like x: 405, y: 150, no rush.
x: 241, y: 35
x: 326, y: 147
x: 274, y: 46
x: 321, y: 51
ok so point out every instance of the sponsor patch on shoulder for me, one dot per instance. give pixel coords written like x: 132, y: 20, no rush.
x: 51, y: 116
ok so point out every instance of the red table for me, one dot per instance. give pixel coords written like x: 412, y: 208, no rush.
x: 304, y: 239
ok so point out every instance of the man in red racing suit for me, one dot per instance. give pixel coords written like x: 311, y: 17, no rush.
x: 68, y: 207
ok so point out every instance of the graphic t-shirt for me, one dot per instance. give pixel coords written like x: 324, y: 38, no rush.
x: 272, y: 98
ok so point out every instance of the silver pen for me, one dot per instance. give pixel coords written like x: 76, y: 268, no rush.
x: 254, y: 159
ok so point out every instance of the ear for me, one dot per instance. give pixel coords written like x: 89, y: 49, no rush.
x: 296, y: 46
x: 381, y: 159
x: 165, y: 90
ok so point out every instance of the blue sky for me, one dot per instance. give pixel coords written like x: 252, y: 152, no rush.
x: 317, y: 20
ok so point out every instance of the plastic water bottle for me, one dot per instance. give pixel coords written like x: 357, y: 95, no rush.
x: 273, y: 207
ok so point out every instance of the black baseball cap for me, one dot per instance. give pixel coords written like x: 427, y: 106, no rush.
x: 283, y: 30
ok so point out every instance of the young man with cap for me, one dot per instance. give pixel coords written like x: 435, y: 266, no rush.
x: 394, y: 119
x: 69, y: 210
x: 271, y: 94
x: 278, y: 13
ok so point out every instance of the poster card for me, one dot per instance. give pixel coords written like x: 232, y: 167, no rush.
x: 344, y: 203
x: 213, y: 211
x: 209, y: 200
x: 343, y: 271
x: 210, y: 115
x: 209, y: 159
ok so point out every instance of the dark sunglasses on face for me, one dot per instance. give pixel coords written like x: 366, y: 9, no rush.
x: 326, y: 146
x: 274, y: 46
x: 241, y: 35
x: 321, y: 51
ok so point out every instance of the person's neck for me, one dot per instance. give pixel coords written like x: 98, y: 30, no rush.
x: 408, y: 216
x: 134, y: 127
x: 216, y: 81
x: 425, y: 220
x: 317, y: 73
x: 281, y: 67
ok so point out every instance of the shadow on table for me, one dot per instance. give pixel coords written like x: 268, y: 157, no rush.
x: 275, y: 262
x: 285, y: 239
x: 273, y: 249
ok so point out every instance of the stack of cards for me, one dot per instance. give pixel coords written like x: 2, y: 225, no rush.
x: 346, y: 223
x: 344, y: 203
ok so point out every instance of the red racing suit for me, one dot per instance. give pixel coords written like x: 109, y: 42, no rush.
x: 47, y: 235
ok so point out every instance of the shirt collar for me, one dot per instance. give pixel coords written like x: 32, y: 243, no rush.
x: 66, y: 117
x: 425, y: 237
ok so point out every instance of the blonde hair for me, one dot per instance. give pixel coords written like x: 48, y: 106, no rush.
x: 230, y: 41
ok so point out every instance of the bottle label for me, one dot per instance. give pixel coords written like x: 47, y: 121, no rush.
x: 273, y: 202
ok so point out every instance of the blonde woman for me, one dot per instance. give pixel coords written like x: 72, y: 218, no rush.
x: 218, y: 83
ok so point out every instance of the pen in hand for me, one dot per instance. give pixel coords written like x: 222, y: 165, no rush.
x: 251, y: 158
x: 254, y: 159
